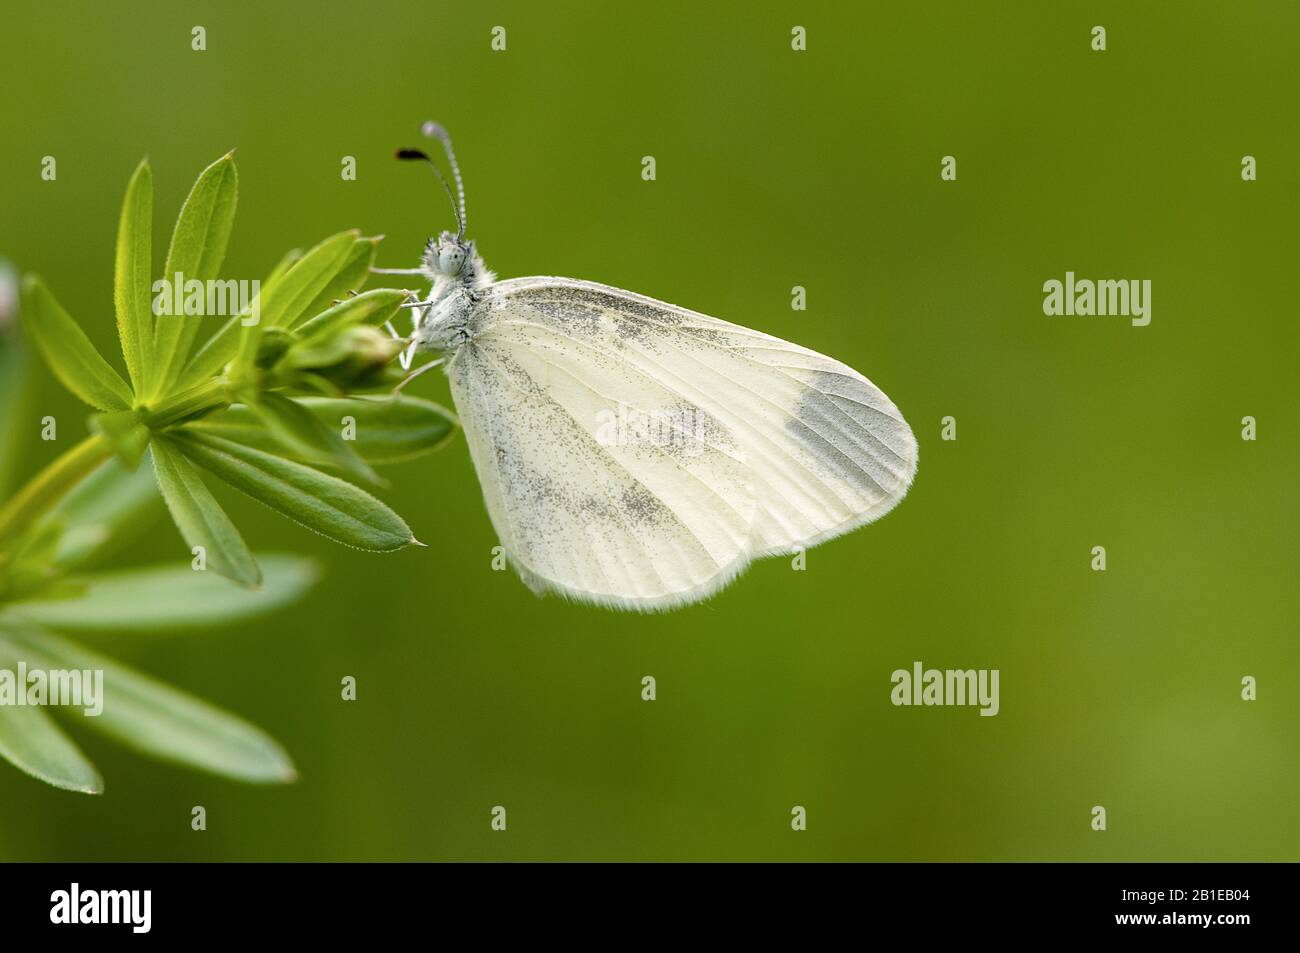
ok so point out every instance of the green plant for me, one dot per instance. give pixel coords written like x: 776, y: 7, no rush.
x: 282, y: 401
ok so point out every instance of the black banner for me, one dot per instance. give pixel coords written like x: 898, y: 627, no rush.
x: 140, y: 902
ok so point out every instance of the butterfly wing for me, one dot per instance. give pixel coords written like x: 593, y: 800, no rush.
x: 638, y: 455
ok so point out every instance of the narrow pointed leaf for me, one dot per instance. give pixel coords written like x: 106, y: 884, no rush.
x: 310, y: 277
x: 372, y: 307
x: 199, y: 516
x: 160, y: 721
x: 283, y: 303
x: 164, y: 598
x: 306, y: 437
x: 131, y: 284
x: 33, y: 743
x: 68, y: 351
x: 291, y: 258
x: 224, y: 342
x: 351, y: 276
x: 216, y: 352
x: 387, y: 430
x: 197, y: 250
x: 323, y: 503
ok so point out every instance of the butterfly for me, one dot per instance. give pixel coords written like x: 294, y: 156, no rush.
x: 635, y: 454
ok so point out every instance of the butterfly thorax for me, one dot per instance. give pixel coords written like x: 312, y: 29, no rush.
x: 460, y: 281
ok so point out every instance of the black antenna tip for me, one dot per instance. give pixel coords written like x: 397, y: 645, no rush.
x: 412, y: 154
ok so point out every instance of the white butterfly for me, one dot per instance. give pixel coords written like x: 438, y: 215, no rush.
x: 638, y: 455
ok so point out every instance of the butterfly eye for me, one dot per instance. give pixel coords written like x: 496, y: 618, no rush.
x: 451, y: 260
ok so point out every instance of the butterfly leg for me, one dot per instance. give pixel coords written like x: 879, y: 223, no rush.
x: 417, y: 316
x: 396, y: 271
x: 416, y: 373
x: 408, y: 352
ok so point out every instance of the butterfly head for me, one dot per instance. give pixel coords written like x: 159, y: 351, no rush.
x: 448, y: 256
x: 453, y: 259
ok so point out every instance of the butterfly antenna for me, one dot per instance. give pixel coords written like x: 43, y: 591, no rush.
x: 421, y: 156
x: 435, y: 130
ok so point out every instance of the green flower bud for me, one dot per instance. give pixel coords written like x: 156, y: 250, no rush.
x: 356, y: 358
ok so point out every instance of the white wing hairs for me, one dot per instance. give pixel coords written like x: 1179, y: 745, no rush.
x: 638, y: 455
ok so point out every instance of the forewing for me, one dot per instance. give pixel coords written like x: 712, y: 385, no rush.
x: 637, y: 454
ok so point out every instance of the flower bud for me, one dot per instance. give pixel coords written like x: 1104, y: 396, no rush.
x: 355, y: 358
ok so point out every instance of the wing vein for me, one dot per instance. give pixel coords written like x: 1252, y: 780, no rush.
x: 628, y: 527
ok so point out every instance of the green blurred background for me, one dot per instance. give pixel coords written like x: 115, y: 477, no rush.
x: 775, y: 169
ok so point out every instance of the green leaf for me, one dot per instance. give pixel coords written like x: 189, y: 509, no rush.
x: 68, y: 351
x: 387, y: 430
x: 168, y: 597
x: 215, y: 353
x: 288, y: 298
x: 197, y: 250
x: 291, y: 258
x: 354, y: 273
x: 199, y: 516
x: 161, y: 721
x: 329, y: 506
x: 103, y: 511
x: 284, y: 302
x: 372, y: 307
x: 33, y: 743
x: 131, y: 284
x: 309, y: 438
x: 124, y: 432
x: 280, y: 302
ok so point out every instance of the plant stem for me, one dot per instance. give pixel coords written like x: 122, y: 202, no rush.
x: 49, y: 486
